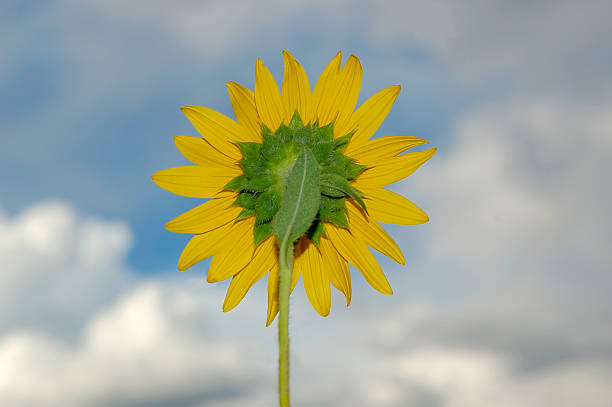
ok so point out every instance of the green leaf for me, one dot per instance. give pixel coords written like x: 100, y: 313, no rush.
x: 246, y: 200
x: 246, y: 213
x: 236, y: 184
x: 336, y: 186
x: 262, y: 232
x: 266, y: 206
x: 301, y: 198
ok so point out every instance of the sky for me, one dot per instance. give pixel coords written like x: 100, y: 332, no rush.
x: 504, y: 299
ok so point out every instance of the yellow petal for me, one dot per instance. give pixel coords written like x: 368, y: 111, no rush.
x: 243, y: 103
x: 295, y: 92
x: 206, y: 217
x: 316, y: 283
x: 264, y: 259
x: 369, y: 116
x: 273, y: 291
x: 388, y: 207
x: 219, y: 130
x: 325, y: 89
x: 201, y: 152
x: 194, y: 181
x: 388, y: 171
x: 370, y: 232
x: 393, y: 169
x: 358, y: 254
x: 383, y: 148
x: 237, y: 251
x: 202, y: 246
x: 267, y: 97
x: 349, y: 84
x: 336, y: 268
x: 272, y: 295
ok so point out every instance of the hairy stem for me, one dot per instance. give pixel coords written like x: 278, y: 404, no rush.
x: 284, y: 277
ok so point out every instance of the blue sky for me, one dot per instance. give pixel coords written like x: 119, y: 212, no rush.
x: 101, y: 117
x: 507, y: 286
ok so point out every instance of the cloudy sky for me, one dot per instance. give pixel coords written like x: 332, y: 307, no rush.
x: 505, y: 298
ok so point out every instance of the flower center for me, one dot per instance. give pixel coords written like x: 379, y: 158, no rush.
x: 267, y: 165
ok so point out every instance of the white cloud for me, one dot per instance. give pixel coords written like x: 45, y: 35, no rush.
x: 522, y: 44
x: 58, y: 264
x: 165, y: 342
x: 456, y: 377
x: 524, y: 179
x: 150, y: 347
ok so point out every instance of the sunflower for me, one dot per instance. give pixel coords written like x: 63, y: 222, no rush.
x: 243, y: 165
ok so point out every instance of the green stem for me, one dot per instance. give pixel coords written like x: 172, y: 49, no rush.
x: 284, y: 277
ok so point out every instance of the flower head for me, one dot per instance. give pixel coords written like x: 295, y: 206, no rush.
x: 243, y: 166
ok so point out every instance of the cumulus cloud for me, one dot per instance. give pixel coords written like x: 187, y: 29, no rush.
x: 164, y: 341
x: 79, y: 329
x: 547, y: 45
x: 149, y: 348
x: 58, y: 264
x: 525, y: 179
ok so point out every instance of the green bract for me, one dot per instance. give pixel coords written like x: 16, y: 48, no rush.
x: 295, y: 180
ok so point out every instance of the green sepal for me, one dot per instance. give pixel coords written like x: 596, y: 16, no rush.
x: 262, y: 232
x: 252, y: 167
x: 326, y: 133
x: 329, y: 205
x: 342, y: 142
x: 315, y: 232
x: 285, y: 133
x: 322, y: 151
x: 337, y: 163
x: 260, y: 182
x: 296, y: 121
x: 353, y: 170
x: 356, y: 195
x: 336, y: 186
x: 249, y: 150
x: 271, y: 147
x: 246, y: 213
x: 246, y: 200
x: 266, y: 206
x: 301, y: 198
x: 337, y: 218
x: 236, y: 184
x: 303, y: 135
x: 265, y: 131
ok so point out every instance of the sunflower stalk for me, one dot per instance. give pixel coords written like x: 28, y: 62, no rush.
x: 284, y: 275
x: 300, y: 204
